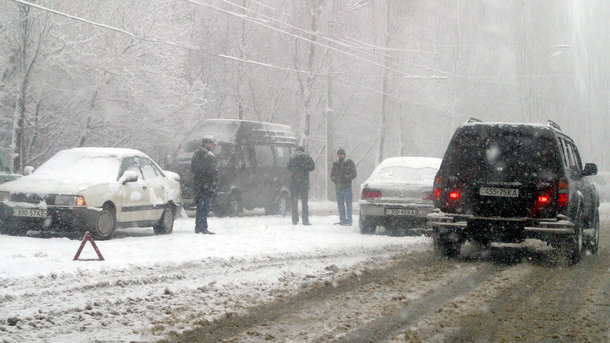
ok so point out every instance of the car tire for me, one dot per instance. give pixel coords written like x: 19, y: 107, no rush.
x: 166, y: 223
x: 104, y: 224
x: 366, y: 227
x: 592, y: 242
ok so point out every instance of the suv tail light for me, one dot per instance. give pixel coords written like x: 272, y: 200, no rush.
x: 370, y: 193
x: 454, y: 195
x: 543, y: 199
x: 436, y: 188
x: 562, y: 194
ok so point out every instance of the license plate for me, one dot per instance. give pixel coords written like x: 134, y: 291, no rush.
x: 30, y: 212
x: 400, y: 212
x: 499, y: 192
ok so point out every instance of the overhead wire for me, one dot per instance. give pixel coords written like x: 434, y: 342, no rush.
x: 257, y: 22
x: 233, y: 58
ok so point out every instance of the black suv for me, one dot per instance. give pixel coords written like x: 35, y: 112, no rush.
x: 501, y: 182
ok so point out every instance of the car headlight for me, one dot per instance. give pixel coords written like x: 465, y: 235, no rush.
x: 65, y: 200
x: 70, y: 200
x: 5, y: 196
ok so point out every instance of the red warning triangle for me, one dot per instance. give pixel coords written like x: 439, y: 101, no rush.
x: 82, y: 245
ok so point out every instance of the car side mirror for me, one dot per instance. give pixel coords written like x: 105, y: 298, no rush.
x: 28, y: 170
x: 172, y: 175
x: 128, y: 176
x: 590, y: 169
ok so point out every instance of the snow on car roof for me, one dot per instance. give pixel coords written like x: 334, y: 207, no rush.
x: 101, y: 151
x: 412, y: 162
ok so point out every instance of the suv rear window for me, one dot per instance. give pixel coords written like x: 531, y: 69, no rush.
x: 478, y: 151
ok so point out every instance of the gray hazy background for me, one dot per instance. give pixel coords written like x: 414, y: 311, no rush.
x: 378, y: 78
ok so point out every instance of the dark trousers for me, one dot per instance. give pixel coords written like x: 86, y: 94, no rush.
x: 295, y: 195
x: 201, y: 215
x: 344, y: 201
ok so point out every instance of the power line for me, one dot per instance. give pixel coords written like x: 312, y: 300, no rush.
x: 449, y: 113
x: 252, y: 20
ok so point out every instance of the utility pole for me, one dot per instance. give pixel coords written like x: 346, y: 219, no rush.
x: 330, y: 133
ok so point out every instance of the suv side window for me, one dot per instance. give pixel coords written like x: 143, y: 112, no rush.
x: 264, y: 155
x: 576, y: 155
x: 565, y: 153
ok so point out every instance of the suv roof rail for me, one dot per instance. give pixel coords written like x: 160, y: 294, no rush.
x: 553, y: 125
x: 473, y: 120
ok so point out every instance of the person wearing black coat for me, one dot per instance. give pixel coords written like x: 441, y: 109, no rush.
x: 205, y: 178
x: 300, y: 165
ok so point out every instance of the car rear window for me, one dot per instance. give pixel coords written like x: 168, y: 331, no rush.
x: 406, y: 174
x: 477, y: 151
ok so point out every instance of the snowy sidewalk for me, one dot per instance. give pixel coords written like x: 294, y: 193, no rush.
x: 150, y: 285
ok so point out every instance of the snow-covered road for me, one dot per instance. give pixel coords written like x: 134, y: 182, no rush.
x: 151, y: 285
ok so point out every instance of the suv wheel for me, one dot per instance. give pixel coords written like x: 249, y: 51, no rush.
x: 592, y: 241
x: 447, y: 247
x: 571, y: 247
x: 366, y: 228
x: 166, y: 223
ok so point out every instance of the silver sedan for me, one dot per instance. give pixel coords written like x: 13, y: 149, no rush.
x: 398, y: 195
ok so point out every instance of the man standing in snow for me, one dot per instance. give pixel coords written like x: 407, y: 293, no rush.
x: 205, y: 177
x: 342, y: 174
x: 300, y: 165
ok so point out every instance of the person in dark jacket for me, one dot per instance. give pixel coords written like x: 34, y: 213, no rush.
x: 205, y: 178
x: 342, y: 174
x: 300, y: 165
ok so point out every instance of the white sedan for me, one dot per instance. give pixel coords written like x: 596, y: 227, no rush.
x: 94, y: 189
x: 398, y: 194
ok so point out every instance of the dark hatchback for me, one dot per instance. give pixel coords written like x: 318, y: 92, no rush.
x: 503, y: 182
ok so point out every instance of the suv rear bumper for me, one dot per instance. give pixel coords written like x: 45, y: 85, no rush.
x: 547, y: 226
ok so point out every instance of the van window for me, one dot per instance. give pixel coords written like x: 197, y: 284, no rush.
x: 223, y: 154
x: 264, y: 155
x: 282, y: 155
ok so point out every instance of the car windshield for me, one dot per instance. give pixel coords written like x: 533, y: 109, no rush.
x: 474, y: 151
x: 72, y: 165
x: 405, y: 174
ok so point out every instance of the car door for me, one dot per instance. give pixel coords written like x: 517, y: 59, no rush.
x: 155, y: 187
x: 135, y: 199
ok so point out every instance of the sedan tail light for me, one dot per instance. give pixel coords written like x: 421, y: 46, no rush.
x: 370, y: 193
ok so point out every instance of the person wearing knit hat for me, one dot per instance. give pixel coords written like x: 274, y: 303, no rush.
x: 342, y: 174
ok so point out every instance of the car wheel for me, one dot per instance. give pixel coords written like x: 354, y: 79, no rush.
x: 366, y: 227
x: 166, y: 223
x: 593, y: 241
x: 104, y: 224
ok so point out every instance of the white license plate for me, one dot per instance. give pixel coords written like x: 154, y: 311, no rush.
x: 30, y: 212
x: 400, y: 212
x: 499, y: 192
